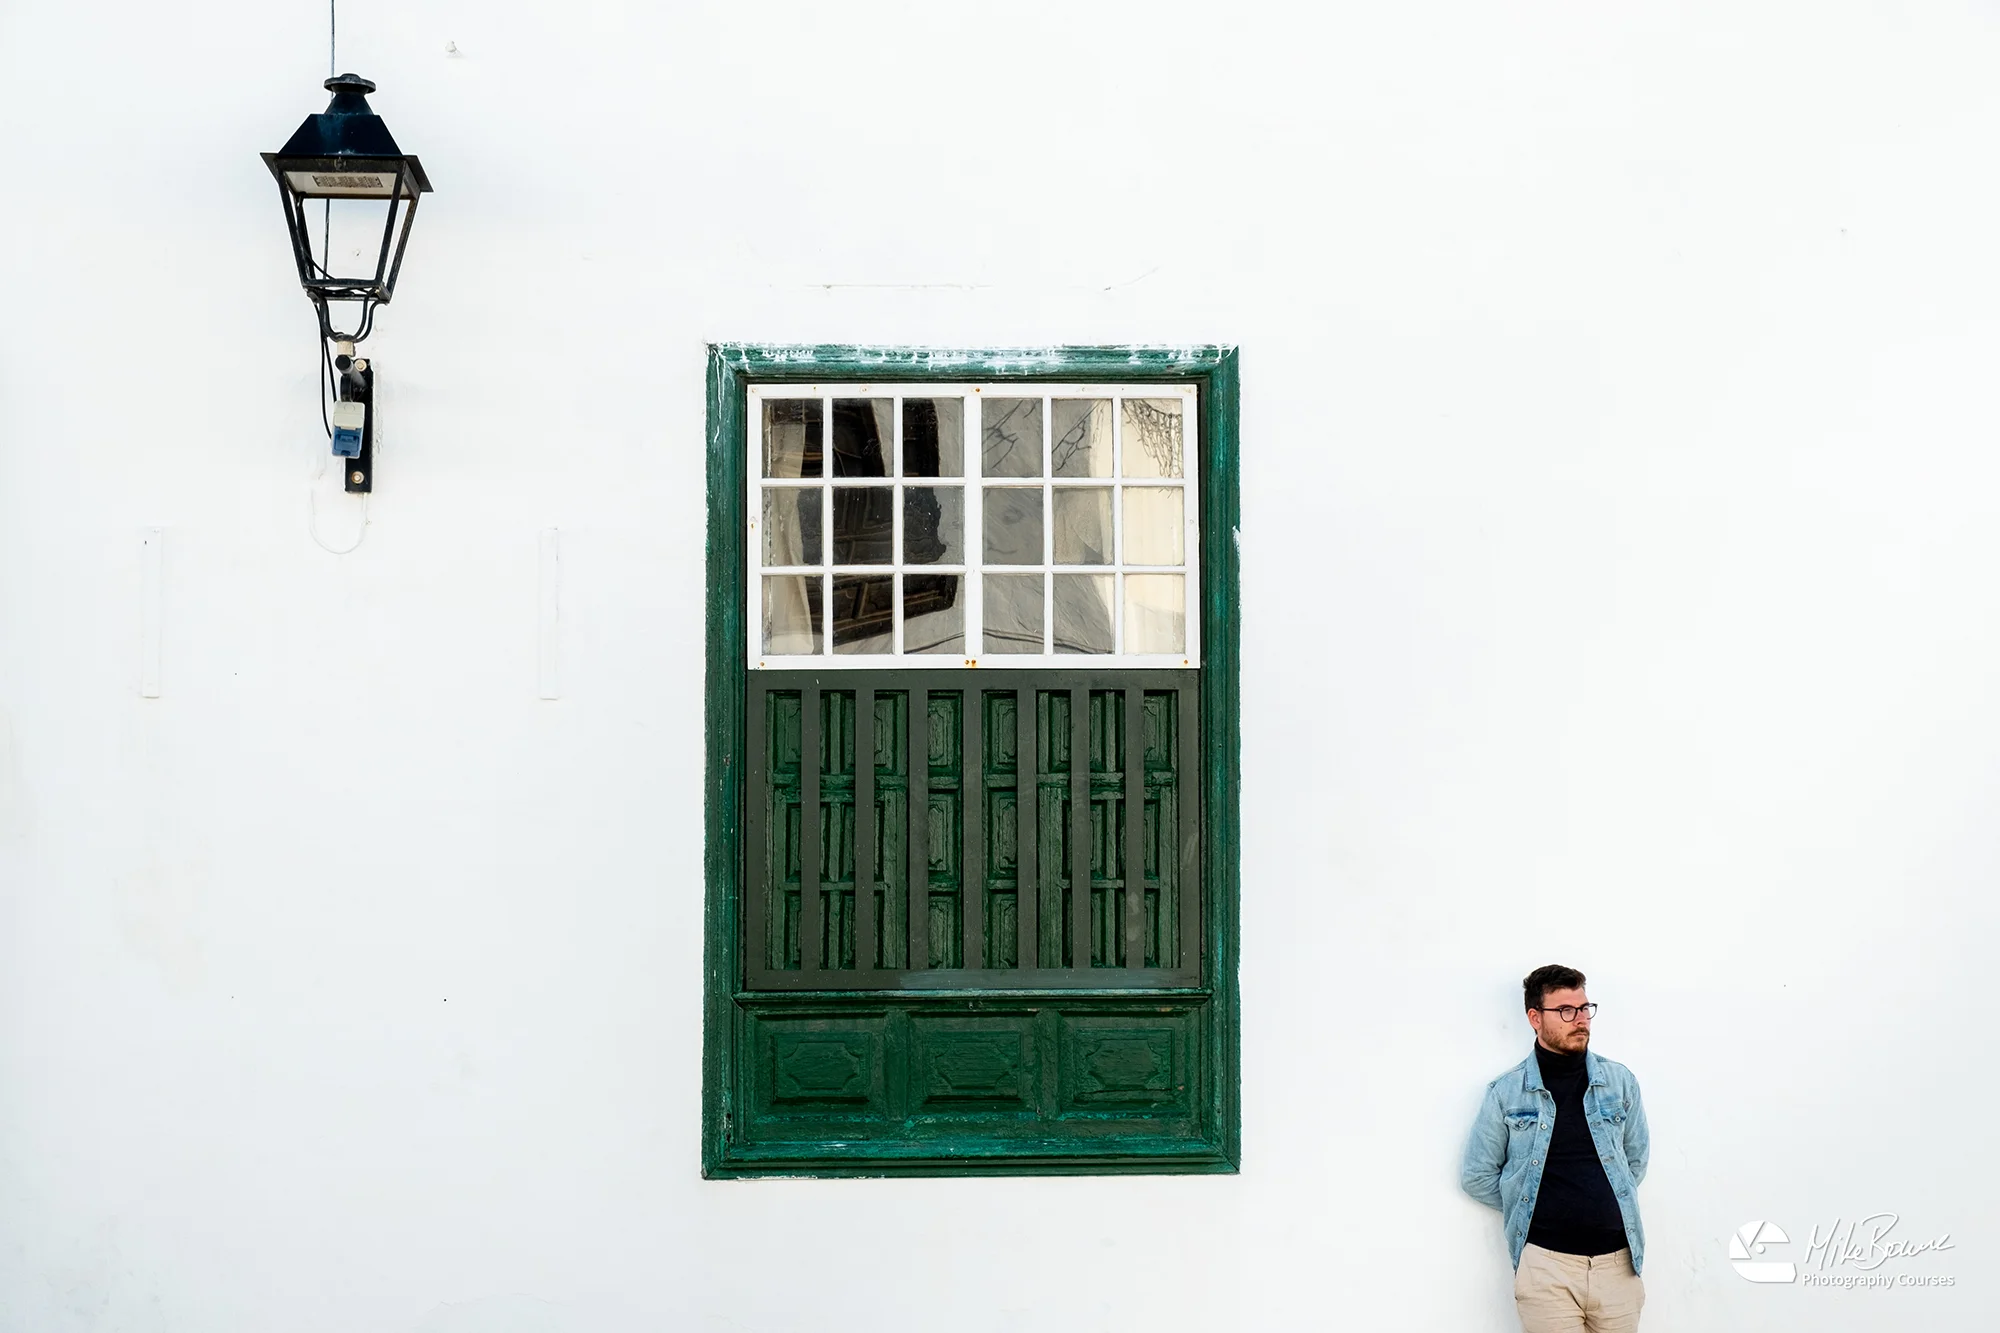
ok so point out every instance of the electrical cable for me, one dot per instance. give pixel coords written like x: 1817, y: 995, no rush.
x: 324, y: 373
x: 312, y: 516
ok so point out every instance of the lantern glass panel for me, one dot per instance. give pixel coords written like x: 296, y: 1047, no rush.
x: 346, y: 182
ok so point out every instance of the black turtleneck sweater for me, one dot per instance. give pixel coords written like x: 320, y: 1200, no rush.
x: 1575, y: 1210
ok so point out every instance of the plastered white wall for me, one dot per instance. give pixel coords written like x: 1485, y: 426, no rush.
x: 1619, y: 500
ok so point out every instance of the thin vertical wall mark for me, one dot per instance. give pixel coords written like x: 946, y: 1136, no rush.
x: 550, y: 612
x: 152, y: 542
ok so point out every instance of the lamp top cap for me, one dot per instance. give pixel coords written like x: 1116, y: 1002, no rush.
x: 348, y: 134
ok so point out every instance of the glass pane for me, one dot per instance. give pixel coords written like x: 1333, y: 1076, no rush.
x: 933, y: 614
x: 934, y: 525
x: 1013, y: 613
x: 1012, y: 533
x: 791, y: 525
x: 791, y: 614
x: 1012, y: 437
x: 864, y: 606
x: 864, y: 433
x: 1083, y: 613
x: 933, y: 437
x: 1080, y: 437
x: 1083, y: 525
x: 1152, y: 525
x: 1152, y: 437
x: 1155, y: 613
x: 864, y: 531
x: 792, y: 437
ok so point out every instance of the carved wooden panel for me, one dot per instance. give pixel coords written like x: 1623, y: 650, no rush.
x: 1128, y: 1062
x: 988, y: 1063
x: 817, y: 1064
x: 922, y: 1075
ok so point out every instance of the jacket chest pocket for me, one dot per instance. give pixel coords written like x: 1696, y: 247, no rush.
x: 1612, y: 1114
x: 1522, y: 1121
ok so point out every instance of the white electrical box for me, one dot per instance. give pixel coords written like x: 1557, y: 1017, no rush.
x: 348, y: 419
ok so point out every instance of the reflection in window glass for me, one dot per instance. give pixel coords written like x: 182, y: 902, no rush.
x: 933, y: 614
x: 1155, y: 613
x: 863, y: 613
x: 1153, y: 517
x: 1152, y: 437
x: 1011, y: 525
x: 1013, y: 620
x: 1080, y: 437
x: 1081, y: 503
x: 791, y: 614
x: 1083, y: 613
x: 863, y: 434
x: 1082, y: 522
x: 792, y: 437
x: 791, y: 525
x: 934, y: 525
x: 933, y: 437
x: 1011, y: 443
x: 864, y: 519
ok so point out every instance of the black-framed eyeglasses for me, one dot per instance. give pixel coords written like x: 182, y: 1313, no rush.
x: 1568, y: 1012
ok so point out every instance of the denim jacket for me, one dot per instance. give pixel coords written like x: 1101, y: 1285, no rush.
x: 1510, y: 1141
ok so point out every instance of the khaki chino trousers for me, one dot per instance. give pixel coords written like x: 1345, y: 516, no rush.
x: 1576, y: 1293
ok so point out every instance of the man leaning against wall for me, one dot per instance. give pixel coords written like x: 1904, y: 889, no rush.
x: 1559, y: 1148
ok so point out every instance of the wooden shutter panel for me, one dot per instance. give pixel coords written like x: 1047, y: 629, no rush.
x: 923, y: 979
x: 929, y: 830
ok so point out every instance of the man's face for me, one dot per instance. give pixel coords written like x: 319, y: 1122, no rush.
x: 1550, y: 1030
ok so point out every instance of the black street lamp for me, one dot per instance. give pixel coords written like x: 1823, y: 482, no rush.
x: 347, y: 153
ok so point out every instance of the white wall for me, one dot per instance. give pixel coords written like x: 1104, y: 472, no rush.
x: 1619, y: 543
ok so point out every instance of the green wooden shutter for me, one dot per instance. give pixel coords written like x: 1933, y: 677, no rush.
x: 921, y: 977
x: 947, y: 862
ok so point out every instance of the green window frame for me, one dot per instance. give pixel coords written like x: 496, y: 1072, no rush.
x: 1096, y: 1035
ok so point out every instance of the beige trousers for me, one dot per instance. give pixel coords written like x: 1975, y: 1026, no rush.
x: 1574, y: 1293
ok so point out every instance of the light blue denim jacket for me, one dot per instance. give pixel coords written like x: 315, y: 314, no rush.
x: 1510, y: 1142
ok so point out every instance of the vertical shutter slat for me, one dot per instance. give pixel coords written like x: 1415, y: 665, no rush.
x: 810, y: 908
x: 864, y: 828
x: 1133, y: 698
x: 919, y: 803
x: 972, y: 816
x: 1079, y: 827
x: 761, y: 877
x: 1188, y: 796
x: 1027, y: 809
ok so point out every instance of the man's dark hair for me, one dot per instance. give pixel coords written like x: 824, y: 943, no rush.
x: 1538, y: 983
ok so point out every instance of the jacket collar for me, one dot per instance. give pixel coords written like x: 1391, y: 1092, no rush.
x: 1531, y: 1070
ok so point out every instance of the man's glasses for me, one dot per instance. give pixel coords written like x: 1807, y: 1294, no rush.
x: 1568, y: 1012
